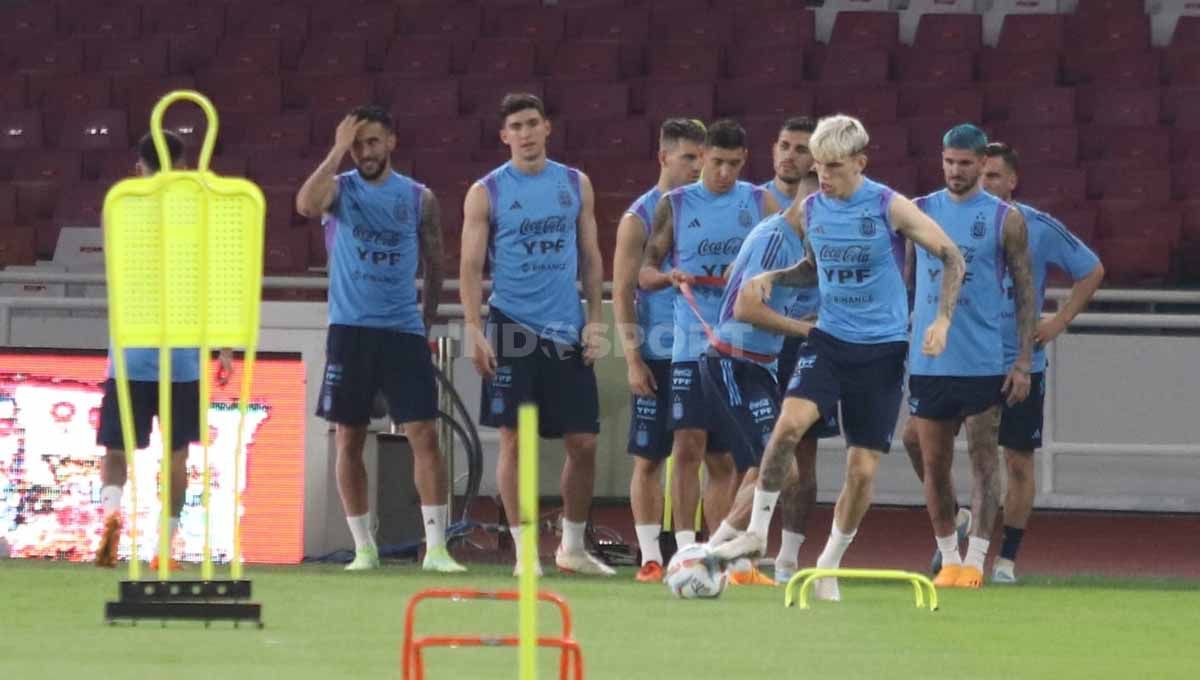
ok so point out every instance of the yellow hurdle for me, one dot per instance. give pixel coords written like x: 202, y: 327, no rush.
x: 527, y: 465
x: 183, y: 255
x: 803, y: 580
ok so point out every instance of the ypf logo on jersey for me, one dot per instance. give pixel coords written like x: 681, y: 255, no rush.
x: 979, y: 227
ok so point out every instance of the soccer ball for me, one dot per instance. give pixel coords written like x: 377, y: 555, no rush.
x: 694, y: 573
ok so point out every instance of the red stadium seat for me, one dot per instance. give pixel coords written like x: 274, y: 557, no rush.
x: 1111, y: 8
x: 38, y: 19
x: 285, y: 24
x: 937, y: 101
x: 36, y: 199
x: 190, y: 53
x: 866, y: 30
x: 1135, y: 262
x: 138, y: 94
x: 80, y: 204
x: 874, y: 104
x: 8, y: 204
x: 1080, y: 220
x: 1052, y: 186
x: 60, y: 94
x: 1181, y: 106
x: 93, y: 130
x: 587, y: 100
x: 1182, y: 65
x: 302, y: 91
x: 375, y: 23
x: 901, y: 177
x: 949, y: 32
x: 587, y: 60
x: 1109, y: 31
x: 280, y: 168
x: 704, y: 30
x: 1037, y: 33
x: 432, y: 97
x: 334, y: 55
x: 1133, y: 219
x: 741, y: 98
x: 1029, y: 68
x: 91, y: 21
x: 1117, y: 181
x: 268, y: 133
x: 772, y: 64
x: 460, y: 21
x: 286, y: 252
x: 1057, y: 146
x: 481, y: 97
x: 419, y: 58
x: 1105, y: 106
x: 682, y: 61
x: 437, y: 134
x: 175, y: 19
x: 547, y: 24
x: 1191, y: 219
x: 17, y: 245
x: 1134, y: 146
x: 247, y: 54
x: 47, y: 57
x: 925, y: 135
x: 1185, y: 182
x: 14, y: 90
x: 1185, y: 145
x: 145, y: 56
x: 65, y: 167
x: 20, y: 130
x: 502, y: 58
x: 626, y: 24
x: 774, y: 27
x: 243, y: 92
x: 620, y: 137
x: 1050, y: 106
x: 1125, y: 69
x: 855, y: 65
x: 889, y: 143
x: 926, y: 67
x: 624, y: 176
x: 668, y: 100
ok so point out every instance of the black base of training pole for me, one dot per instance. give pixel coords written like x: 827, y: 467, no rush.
x: 205, y: 601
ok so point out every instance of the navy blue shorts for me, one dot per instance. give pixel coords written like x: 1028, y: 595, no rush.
x: 943, y: 397
x: 361, y: 362
x: 691, y: 409
x: 745, y: 399
x: 649, y: 426
x: 532, y: 369
x: 143, y: 395
x: 792, y: 347
x: 868, y: 380
x: 1021, y: 425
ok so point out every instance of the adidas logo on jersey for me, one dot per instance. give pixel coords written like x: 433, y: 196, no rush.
x: 516, y: 205
x: 694, y: 224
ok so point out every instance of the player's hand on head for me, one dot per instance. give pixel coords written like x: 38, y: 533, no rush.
x: 482, y: 354
x: 347, y: 130
x: 1016, y: 385
x: 1048, y: 329
x: 935, y: 337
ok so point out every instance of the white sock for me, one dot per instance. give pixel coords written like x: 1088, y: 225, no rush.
x: 1004, y: 564
x: 977, y: 549
x: 647, y: 535
x: 764, y: 508
x: 173, y: 530
x: 789, y: 549
x: 949, y: 547
x: 684, y: 538
x: 723, y: 534
x: 435, y: 525
x: 110, y: 499
x: 572, y: 539
x: 360, y: 529
x: 835, y: 548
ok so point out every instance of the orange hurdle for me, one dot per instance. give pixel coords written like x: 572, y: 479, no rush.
x: 412, y: 660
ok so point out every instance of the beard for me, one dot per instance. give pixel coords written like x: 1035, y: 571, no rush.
x: 380, y: 167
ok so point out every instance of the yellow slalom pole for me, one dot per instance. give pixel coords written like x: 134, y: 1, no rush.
x: 668, y: 502
x: 164, y: 483
x: 527, y: 465
x: 235, y: 566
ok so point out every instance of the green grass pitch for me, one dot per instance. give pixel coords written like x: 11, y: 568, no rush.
x: 323, y: 623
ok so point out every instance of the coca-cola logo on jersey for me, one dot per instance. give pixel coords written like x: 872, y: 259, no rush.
x: 846, y: 254
x: 727, y: 247
x: 554, y: 224
x: 381, y: 237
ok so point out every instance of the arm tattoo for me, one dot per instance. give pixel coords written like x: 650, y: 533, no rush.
x: 953, y: 267
x: 803, y: 274
x: 661, y: 236
x: 431, y: 253
x: 1016, y: 255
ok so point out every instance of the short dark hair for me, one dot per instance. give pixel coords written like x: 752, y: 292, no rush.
x: 681, y: 129
x: 1005, y: 152
x: 799, y: 124
x: 726, y: 134
x: 519, y: 101
x: 965, y: 137
x: 149, y: 155
x: 374, y: 113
